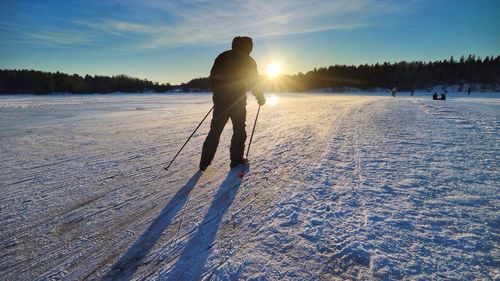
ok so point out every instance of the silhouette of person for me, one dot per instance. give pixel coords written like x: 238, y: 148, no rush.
x: 233, y: 73
x: 394, y: 90
x: 435, y: 96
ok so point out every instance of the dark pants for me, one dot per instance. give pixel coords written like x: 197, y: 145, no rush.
x: 222, y: 112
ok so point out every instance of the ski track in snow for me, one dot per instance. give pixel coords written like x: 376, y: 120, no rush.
x: 338, y: 187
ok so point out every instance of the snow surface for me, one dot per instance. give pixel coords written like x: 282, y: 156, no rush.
x: 339, y: 187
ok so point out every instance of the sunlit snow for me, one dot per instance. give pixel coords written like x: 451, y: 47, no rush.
x: 338, y: 187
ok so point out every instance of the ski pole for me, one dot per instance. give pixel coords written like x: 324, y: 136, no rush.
x: 240, y: 174
x: 166, y: 168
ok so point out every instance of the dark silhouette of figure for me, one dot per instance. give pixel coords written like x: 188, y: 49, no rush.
x: 233, y: 73
x: 442, y: 96
x: 468, y: 91
x: 394, y: 90
x: 412, y: 91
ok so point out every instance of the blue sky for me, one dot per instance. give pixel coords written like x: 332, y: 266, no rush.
x: 174, y: 41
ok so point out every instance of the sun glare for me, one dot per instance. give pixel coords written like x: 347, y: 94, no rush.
x: 273, y: 70
x: 272, y: 100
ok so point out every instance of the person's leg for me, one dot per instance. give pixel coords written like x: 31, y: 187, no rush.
x: 238, y: 118
x: 219, y: 120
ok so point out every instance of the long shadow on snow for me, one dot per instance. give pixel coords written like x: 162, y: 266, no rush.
x: 191, y: 262
x: 130, y: 261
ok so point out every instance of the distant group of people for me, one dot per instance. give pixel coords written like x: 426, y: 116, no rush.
x: 443, y: 96
x: 435, y: 96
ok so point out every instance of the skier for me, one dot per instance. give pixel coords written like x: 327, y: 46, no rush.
x: 233, y: 73
x: 394, y: 90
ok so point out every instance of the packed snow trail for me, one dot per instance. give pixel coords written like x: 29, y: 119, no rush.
x: 338, y: 187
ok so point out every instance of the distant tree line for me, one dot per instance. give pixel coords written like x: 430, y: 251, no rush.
x: 404, y: 75
x: 196, y: 85
x: 32, y: 81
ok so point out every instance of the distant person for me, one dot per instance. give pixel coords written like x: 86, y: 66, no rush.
x: 443, y: 96
x: 412, y: 91
x: 233, y: 73
x: 468, y: 91
x: 394, y: 90
x: 435, y: 96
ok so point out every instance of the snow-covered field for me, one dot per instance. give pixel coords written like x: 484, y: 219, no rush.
x: 339, y: 187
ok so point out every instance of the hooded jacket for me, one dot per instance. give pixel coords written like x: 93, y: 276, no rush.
x: 234, y: 73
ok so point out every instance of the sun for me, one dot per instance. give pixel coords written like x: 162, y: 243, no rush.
x: 273, y: 70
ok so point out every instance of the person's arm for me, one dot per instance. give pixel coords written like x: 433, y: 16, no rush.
x: 214, y: 73
x: 254, y: 84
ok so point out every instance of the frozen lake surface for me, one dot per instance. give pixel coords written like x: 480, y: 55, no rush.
x: 338, y: 187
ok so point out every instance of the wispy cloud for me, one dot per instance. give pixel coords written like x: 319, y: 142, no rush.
x: 155, y: 23
x: 215, y: 21
x: 61, y: 38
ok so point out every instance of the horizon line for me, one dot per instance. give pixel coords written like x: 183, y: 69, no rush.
x: 494, y: 57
